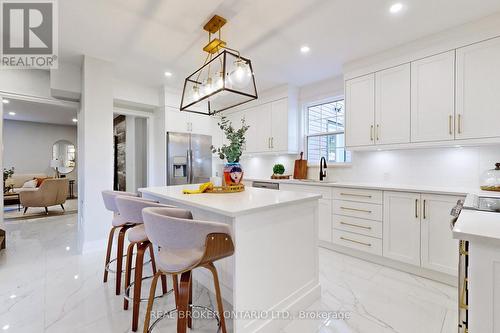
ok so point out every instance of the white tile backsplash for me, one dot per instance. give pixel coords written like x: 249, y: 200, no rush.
x: 455, y: 167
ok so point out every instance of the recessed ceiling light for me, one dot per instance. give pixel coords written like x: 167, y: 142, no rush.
x: 12, y: 296
x: 74, y: 120
x: 168, y: 74
x: 305, y: 49
x: 12, y: 113
x: 5, y: 327
x: 75, y: 277
x: 5, y: 101
x: 396, y: 8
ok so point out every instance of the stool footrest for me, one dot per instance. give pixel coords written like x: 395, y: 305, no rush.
x: 108, y: 269
x: 131, y: 299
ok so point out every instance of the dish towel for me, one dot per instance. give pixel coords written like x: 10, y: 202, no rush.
x: 203, y: 187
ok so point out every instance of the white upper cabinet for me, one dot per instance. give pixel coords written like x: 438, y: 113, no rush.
x: 401, y: 227
x: 200, y: 124
x: 478, y: 87
x: 433, y: 98
x: 273, y: 127
x: 279, y: 125
x: 392, y: 105
x: 439, y: 249
x: 360, y: 111
x: 176, y: 121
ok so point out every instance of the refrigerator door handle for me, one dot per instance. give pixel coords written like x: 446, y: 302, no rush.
x: 191, y: 174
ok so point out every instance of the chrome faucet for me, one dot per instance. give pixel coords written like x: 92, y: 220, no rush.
x: 322, y: 168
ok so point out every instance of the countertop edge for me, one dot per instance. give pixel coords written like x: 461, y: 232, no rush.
x: 311, y: 197
x: 382, y: 187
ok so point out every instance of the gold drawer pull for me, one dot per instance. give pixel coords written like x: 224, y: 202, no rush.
x: 357, y: 210
x: 355, y: 225
x: 357, y: 195
x: 355, y: 241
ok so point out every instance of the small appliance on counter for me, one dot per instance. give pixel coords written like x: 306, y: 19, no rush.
x: 490, y: 180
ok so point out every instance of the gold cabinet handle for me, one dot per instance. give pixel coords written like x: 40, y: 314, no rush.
x: 459, y: 124
x: 355, y: 225
x: 269, y: 143
x: 462, y: 302
x: 272, y: 142
x: 450, y: 125
x: 357, y: 210
x: 355, y: 241
x: 371, y: 133
x: 416, y: 208
x: 424, y: 210
x: 378, y: 130
x: 357, y: 195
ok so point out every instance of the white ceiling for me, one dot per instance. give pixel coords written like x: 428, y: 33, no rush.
x: 39, y: 112
x: 145, y: 38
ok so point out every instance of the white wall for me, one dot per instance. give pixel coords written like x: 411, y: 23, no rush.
x: 33, y: 82
x: 28, y: 146
x: 95, y: 134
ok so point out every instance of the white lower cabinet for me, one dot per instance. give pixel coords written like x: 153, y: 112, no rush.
x: 439, y: 249
x: 417, y: 230
x: 402, y: 227
x: 358, y: 242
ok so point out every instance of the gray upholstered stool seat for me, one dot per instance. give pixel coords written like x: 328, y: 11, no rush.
x: 130, y: 209
x: 117, y: 223
x: 178, y: 260
x: 137, y: 234
x: 185, y: 244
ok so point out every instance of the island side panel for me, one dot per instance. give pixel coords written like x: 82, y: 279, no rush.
x: 276, y: 263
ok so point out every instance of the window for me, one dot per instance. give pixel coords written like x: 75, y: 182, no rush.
x: 325, y: 132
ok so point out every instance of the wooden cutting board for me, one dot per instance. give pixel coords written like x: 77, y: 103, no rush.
x: 300, y: 168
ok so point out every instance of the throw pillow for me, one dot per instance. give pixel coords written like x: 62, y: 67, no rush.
x: 39, y: 181
x: 30, y: 184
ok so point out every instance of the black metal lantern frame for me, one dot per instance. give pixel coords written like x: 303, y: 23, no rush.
x: 220, y: 84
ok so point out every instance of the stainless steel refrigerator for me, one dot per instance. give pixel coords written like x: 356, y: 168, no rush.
x: 189, y: 158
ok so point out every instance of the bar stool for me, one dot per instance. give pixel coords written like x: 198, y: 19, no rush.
x: 117, y: 223
x: 185, y: 244
x: 130, y: 209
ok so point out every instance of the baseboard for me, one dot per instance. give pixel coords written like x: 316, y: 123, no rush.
x: 426, y: 273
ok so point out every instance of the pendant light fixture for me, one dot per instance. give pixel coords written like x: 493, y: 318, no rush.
x: 225, y: 80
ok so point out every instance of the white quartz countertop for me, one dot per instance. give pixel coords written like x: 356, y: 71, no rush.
x: 230, y: 204
x: 377, y: 186
x: 478, y: 226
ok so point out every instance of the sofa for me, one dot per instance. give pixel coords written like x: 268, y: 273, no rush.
x: 17, y: 181
x: 52, y: 192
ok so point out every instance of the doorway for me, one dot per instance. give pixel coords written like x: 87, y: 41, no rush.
x: 40, y: 162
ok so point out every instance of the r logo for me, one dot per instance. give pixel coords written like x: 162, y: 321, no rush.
x: 27, y: 28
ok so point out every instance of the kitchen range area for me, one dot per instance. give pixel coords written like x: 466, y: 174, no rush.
x: 266, y: 167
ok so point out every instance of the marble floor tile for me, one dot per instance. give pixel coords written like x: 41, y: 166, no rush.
x: 48, y: 287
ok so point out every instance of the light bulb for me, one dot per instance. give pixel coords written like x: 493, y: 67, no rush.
x: 208, y: 86
x: 219, y: 83
x: 195, y: 94
x: 241, y: 75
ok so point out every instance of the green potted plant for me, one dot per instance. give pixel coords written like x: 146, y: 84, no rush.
x: 278, y: 171
x: 231, y: 152
x: 7, y: 173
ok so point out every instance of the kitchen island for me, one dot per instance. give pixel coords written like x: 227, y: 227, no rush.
x: 275, y: 264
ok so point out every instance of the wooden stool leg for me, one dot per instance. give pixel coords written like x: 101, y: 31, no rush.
x: 190, y: 318
x: 108, y: 252
x: 175, y: 281
x: 119, y: 260
x: 151, y: 299
x: 139, y: 261
x: 153, y: 267
x: 220, y: 305
x: 182, y: 302
x: 128, y: 271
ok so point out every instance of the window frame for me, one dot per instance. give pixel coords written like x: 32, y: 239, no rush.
x: 306, y: 135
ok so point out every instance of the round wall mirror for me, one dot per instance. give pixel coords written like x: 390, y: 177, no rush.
x: 63, y: 156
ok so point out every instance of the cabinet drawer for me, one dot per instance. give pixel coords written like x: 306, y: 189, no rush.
x: 358, y: 242
x: 357, y: 209
x: 361, y: 195
x: 360, y: 226
x: 326, y: 192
